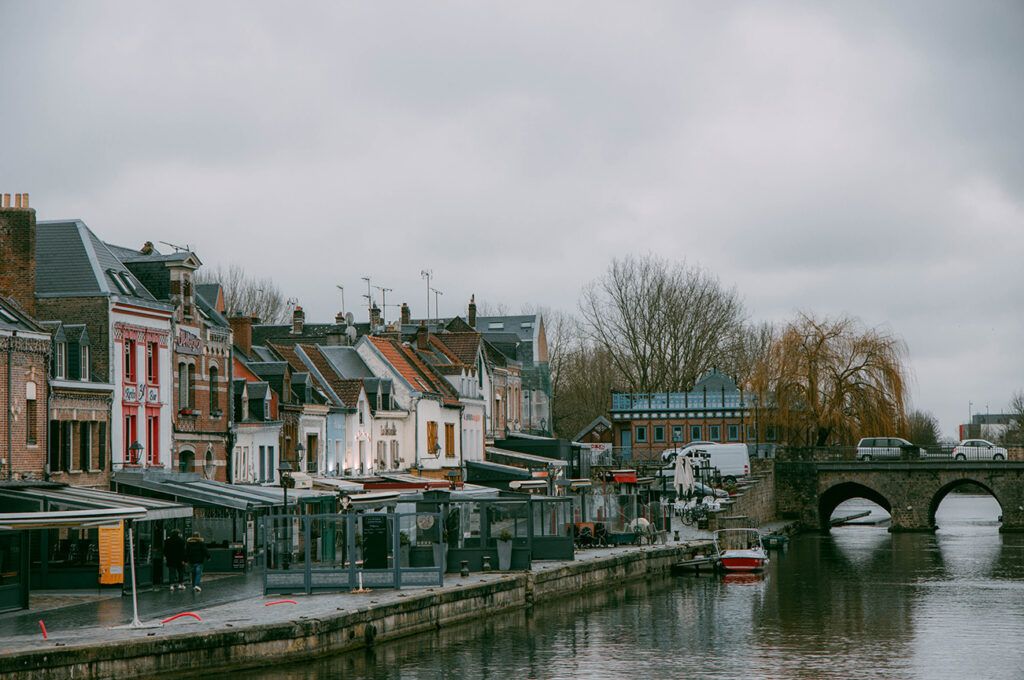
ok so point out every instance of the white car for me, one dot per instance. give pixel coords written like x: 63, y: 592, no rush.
x: 978, y: 449
x: 669, y: 455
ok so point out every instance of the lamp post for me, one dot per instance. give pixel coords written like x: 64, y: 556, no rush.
x: 283, y: 469
x: 299, y: 450
x: 133, y: 452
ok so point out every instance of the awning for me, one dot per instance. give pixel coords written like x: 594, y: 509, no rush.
x: 528, y: 460
x: 80, y: 498
x: 624, y: 476
x: 195, y: 491
x: 68, y: 519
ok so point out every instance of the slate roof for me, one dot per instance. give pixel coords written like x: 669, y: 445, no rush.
x: 72, y: 262
x: 715, y: 382
x: 462, y: 346
x: 13, y: 318
x: 522, y: 326
x: 346, y: 361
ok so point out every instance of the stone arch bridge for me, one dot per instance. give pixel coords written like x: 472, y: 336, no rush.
x: 910, y: 491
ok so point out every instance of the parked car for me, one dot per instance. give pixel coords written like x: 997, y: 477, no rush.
x: 669, y: 455
x: 978, y: 449
x: 870, y: 448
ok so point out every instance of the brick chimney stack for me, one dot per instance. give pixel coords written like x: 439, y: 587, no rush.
x: 241, y: 327
x: 374, y: 316
x: 406, y: 315
x: 422, y: 336
x: 471, y: 315
x: 298, y: 319
x: 18, y: 251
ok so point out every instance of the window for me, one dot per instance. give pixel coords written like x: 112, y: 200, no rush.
x: 153, y: 437
x: 66, y: 443
x: 677, y: 433
x: 54, y: 445
x: 31, y: 414
x: 153, y: 363
x: 129, y: 360
x: 101, y: 446
x: 396, y: 461
x: 60, y: 364
x: 770, y: 433
x: 734, y: 433
x: 214, y: 402
x: 84, y: 374
x: 84, y: 446
x: 659, y: 433
x: 263, y: 464
x: 270, y: 464
x: 382, y: 462
x: 713, y: 433
x: 130, y: 435
x: 191, y: 386
x: 449, y: 440
x: 432, y: 447
x: 752, y: 433
x: 641, y: 433
x: 695, y: 433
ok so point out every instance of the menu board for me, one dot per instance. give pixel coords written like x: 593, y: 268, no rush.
x: 111, y: 540
x: 375, y: 542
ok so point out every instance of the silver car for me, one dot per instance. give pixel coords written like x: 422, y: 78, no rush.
x: 870, y: 448
x: 978, y: 449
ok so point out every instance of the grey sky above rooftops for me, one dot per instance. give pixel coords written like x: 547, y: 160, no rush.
x: 840, y: 158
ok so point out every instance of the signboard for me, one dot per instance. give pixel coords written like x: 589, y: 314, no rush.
x: 111, y: 540
x: 153, y: 395
x: 133, y: 393
x: 375, y: 542
x: 187, y: 341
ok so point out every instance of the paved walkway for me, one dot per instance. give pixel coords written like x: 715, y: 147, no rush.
x: 225, y: 601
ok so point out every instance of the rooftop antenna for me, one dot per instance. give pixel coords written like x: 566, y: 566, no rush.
x: 369, y: 300
x: 383, y: 303
x: 342, y: 289
x: 177, y: 248
x: 426, y: 274
x: 436, y: 293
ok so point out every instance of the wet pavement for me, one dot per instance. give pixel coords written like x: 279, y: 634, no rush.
x: 225, y: 601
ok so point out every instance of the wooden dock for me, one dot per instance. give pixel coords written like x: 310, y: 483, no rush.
x: 695, y: 565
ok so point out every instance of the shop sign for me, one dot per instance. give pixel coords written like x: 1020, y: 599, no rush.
x: 187, y: 341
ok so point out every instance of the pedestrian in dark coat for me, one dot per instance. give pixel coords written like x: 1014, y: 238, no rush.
x: 174, y: 555
x: 196, y: 553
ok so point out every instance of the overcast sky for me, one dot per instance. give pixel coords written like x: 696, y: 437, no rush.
x: 834, y: 157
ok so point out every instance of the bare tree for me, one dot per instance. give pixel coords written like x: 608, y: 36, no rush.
x: 923, y: 428
x: 831, y: 381
x: 247, y: 295
x: 662, y: 324
x: 1014, y: 434
x: 581, y: 386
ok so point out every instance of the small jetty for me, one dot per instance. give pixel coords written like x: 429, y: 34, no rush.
x: 695, y: 565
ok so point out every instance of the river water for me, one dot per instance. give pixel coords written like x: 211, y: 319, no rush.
x: 858, y: 603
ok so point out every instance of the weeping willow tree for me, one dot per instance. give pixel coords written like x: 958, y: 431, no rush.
x: 831, y: 381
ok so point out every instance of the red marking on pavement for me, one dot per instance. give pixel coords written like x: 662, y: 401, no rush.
x: 197, y: 617
x: 43, y: 626
x: 267, y: 604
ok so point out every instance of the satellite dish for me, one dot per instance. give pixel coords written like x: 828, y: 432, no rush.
x: 349, y: 318
x: 351, y: 333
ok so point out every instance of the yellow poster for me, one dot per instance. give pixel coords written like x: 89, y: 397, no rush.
x: 112, y: 554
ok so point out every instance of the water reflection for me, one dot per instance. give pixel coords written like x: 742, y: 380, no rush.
x: 856, y: 603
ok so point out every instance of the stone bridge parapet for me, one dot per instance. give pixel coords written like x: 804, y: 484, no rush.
x: 910, y: 491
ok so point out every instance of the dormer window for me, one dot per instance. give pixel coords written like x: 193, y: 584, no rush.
x: 7, y: 316
x: 129, y: 282
x: 60, y: 367
x: 496, y: 326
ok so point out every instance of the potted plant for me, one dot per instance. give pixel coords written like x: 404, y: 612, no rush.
x: 505, y: 550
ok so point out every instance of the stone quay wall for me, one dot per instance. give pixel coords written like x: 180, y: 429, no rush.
x: 290, y: 641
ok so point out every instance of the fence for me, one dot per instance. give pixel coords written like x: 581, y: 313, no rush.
x: 319, y: 553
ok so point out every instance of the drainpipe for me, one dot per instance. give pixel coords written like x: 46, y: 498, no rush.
x: 10, y: 452
x: 46, y: 433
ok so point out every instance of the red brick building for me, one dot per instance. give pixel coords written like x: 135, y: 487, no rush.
x: 24, y: 355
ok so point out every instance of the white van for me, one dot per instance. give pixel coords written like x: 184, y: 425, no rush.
x: 732, y: 460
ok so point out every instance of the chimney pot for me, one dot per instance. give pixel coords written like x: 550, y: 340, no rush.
x: 471, y: 315
x: 298, y: 319
x: 422, y: 336
x: 406, y: 314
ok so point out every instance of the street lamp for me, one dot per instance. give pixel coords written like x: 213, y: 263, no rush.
x: 283, y: 469
x: 133, y: 452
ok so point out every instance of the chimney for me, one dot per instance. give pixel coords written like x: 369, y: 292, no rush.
x: 406, y: 316
x: 18, y: 251
x: 147, y: 248
x: 339, y: 318
x: 298, y: 318
x: 471, y: 315
x: 422, y: 336
x: 374, y: 316
x: 241, y: 327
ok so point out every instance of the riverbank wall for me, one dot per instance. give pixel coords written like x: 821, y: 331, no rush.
x: 752, y: 505
x: 402, y: 614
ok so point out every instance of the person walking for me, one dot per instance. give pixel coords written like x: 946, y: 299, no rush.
x: 174, y: 555
x: 196, y: 553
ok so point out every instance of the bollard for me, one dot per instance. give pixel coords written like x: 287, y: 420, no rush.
x: 487, y: 563
x: 464, y: 572
x: 677, y: 534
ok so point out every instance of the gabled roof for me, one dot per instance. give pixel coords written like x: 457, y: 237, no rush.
x: 415, y: 372
x: 14, y: 318
x: 715, y: 382
x: 463, y: 346
x: 346, y: 361
x: 600, y: 420
x: 72, y: 262
x: 345, y: 390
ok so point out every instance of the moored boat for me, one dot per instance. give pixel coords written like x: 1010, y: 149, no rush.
x: 740, y: 550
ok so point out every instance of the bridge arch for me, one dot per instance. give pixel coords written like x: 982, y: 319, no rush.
x: 830, y: 499
x: 945, y: 489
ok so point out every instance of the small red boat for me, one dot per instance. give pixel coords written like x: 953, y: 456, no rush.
x: 740, y: 550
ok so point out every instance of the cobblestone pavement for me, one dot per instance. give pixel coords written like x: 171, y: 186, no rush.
x: 226, y: 601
